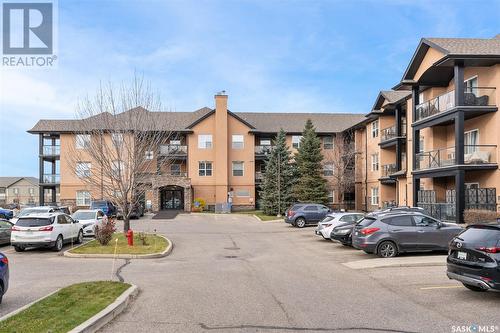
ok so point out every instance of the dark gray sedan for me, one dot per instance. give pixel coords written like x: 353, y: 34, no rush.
x: 390, y: 234
x: 5, y: 229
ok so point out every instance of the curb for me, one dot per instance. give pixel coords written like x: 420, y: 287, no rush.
x: 377, y: 263
x: 100, y: 319
x: 266, y: 221
x: 165, y: 253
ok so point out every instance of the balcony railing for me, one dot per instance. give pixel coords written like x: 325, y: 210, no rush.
x: 388, y: 169
x: 173, y: 150
x: 391, y: 133
x: 478, y: 96
x: 440, y: 210
x: 51, y: 150
x: 51, y: 179
x: 263, y: 150
x: 443, y: 157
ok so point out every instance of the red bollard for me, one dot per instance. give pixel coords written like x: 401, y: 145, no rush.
x: 130, y: 237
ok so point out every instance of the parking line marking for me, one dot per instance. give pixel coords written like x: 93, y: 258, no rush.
x: 440, y: 287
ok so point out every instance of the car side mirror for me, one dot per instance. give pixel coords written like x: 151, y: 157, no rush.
x: 439, y: 225
x: 75, y: 221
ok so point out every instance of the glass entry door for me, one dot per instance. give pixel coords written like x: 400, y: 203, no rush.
x: 172, y: 199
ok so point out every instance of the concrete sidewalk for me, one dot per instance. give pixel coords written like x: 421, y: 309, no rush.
x: 405, y: 261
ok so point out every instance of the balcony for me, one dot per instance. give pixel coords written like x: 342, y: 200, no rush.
x: 477, y: 101
x: 51, y: 179
x: 261, y: 152
x: 386, y: 171
x: 51, y: 151
x: 173, y: 150
x: 475, y: 157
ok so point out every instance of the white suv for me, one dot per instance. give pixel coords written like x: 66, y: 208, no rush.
x: 45, y: 230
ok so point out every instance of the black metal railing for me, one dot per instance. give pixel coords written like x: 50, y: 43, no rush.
x: 263, y: 150
x: 443, y: 157
x: 173, y: 150
x: 388, y: 169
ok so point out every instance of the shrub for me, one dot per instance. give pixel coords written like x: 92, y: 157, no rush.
x: 143, y: 238
x: 480, y: 216
x: 198, y: 205
x: 104, y: 231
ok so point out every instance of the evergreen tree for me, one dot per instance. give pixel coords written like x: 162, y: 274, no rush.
x: 279, y: 178
x: 311, y: 186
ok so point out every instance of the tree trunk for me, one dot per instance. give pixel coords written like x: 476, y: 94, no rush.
x: 126, y: 223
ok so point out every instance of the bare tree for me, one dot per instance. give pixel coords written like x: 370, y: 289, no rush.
x: 116, y: 150
x: 341, y: 160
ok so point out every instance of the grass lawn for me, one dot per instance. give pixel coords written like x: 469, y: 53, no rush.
x: 155, y: 244
x: 261, y: 215
x: 65, y: 309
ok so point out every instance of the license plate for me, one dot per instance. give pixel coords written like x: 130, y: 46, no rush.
x: 462, y: 255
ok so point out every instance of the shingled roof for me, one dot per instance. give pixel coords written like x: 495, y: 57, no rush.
x: 467, y: 46
x: 183, y: 121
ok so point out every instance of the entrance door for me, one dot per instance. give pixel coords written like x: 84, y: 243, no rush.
x: 172, y: 198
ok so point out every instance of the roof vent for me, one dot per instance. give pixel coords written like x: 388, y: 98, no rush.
x: 221, y: 93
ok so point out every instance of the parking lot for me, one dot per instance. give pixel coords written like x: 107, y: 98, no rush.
x: 233, y: 273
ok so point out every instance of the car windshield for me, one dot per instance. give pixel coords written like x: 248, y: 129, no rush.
x: 365, y: 222
x: 27, y: 211
x: 83, y: 215
x: 34, y: 222
x: 328, y: 219
x: 481, y: 236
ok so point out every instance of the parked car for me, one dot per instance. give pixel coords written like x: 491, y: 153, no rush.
x: 390, y: 234
x: 343, y: 233
x: 4, y: 275
x: 332, y: 220
x: 300, y: 215
x: 106, y: 206
x: 137, y: 212
x: 88, y: 218
x: 397, y: 209
x: 34, y: 210
x: 45, y: 230
x: 5, y: 230
x: 6, y: 213
x: 474, y: 257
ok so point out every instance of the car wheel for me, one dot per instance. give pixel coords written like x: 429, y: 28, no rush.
x: 473, y: 288
x: 59, y: 244
x: 79, y: 239
x: 300, y: 222
x: 387, y: 249
x: 19, y: 248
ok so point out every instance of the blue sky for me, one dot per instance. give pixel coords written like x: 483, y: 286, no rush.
x: 270, y: 56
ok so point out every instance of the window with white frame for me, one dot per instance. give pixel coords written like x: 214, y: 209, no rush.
x: 82, y: 141
x: 15, y: 191
x: 205, y: 168
x: 421, y: 145
x: 149, y: 155
x: 117, y: 139
x: 82, y: 198
x: 374, y: 196
x: 238, y: 141
x: 375, y: 128
x: 471, y: 140
x: 375, y: 162
x: 328, y: 142
x: 237, y: 168
x: 470, y: 86
x: 328, y: 169
x: 265, y: 142
x: 117, y: 168
x: 205, y: 141
x: 83, y: 169
x: 332, y: 197
x: 32, y: 191
x: 296, y: 141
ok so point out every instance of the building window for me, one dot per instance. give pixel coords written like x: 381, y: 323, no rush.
x: 242, y: 193
x: 2, y: 190
x: 175, y: 142
x: 117, y: 139
x: 375, y: 129
x: 117, y: 168
x: 471, y: 140
x: 375, y: 162
x: 328, y: 169
x: 296, y: 141
x: 15, y: 191
x: 421, y: 145
x: 175, y: 169
x: 205, y: 168
x: 328, y: 142
x: 149, y: 155
x: 374, y: 197
x: 32, y: 191
x: 82, y: 198
x: 205, y: 141
x: 265, y: 142
x: 237, y: 168
x: 332, y: 197
x: 83, y: 169
x: 238, y: 142
x: 82, y: 141
x: 470, y: 86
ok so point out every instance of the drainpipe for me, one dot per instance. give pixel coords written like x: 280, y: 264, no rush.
x: 366, y: 170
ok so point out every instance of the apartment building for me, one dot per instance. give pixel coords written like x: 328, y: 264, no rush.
x: 214, y: 151
x: 433, y: 140
x: 18, y: 190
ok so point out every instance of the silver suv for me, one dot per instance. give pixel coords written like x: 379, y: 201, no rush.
x: 392, y: 233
